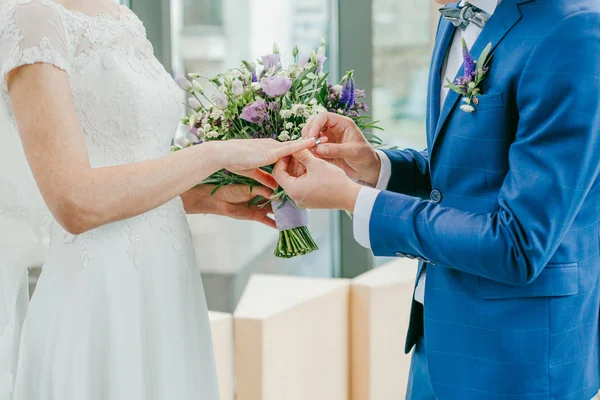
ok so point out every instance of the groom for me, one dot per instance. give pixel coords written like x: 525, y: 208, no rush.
x: 502, y: 210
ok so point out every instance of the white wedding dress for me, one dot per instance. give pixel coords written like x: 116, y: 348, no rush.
x: 119, y: 312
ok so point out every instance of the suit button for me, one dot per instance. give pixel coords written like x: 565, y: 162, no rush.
x: 436, y: 196
x: 410, y: 256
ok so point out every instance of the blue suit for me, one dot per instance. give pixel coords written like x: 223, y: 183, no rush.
x: 505, y: 204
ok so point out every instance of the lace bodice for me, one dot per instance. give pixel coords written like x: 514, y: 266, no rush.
x: 127, y: 105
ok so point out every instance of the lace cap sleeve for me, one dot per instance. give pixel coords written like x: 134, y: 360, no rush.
x: 32, y: 31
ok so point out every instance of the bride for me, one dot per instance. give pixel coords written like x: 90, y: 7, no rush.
x: 119, y: 312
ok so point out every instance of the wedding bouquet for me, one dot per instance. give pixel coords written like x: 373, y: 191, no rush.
x: 270, y: 101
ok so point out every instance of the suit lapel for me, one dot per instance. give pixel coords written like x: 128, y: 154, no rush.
x: 506, y: 16
x: 446, y: 33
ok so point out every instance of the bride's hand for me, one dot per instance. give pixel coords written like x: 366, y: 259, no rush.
x: 229, y: 201
x: 245, y: 157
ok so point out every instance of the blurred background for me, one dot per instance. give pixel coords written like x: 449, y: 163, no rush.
x: 387, y: 42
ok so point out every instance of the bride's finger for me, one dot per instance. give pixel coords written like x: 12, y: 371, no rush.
x: 262, y: 177
x: 290, y: 148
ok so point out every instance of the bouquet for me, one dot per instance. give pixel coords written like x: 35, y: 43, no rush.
x: 270, y: 101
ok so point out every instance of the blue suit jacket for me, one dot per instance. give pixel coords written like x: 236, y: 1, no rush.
x: 506, y: 205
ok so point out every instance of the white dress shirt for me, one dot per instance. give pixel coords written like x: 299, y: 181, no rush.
x: 367, y: 196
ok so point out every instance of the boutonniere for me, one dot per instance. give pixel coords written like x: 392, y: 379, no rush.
x: 468, y: 85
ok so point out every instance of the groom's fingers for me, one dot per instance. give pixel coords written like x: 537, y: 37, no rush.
x: 337, y: 151
x: 316, y: 124
x: 280, y: 172
x: 306, y: 158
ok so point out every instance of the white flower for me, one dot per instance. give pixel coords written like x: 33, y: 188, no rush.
x: 194, y: 103
x: 192, y: 121
x: 289, y: 125
x: 305, y: 82
x: 194, y: 75
x: 322, y: 51
x: 255, y: 85
x: 471, y: 85
x: 467, y: 108
x: 311, y: 76
x: 197, y: 86
x: 295, y: 137
x: 192, y: 138
x: 298, y: 109
x: 284, y: 136
x: 301, y: 126
x: 212, y: 135
x: 182, y: 142
x: 285, y: 114
x: 313, y: 58
x: 237, y: 88
x: 323, y: 42
x: 318, y: 109
x: 338, y: 89
x: 201, y: 133
x: 313, y: 102
x: 216, y: 113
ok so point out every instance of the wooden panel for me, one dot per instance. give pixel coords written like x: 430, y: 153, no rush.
x: 222, y: 334
x: 291, y: 339
x: 380, y: 310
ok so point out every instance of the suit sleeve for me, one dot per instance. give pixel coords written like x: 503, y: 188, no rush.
x: 410, y: 172
x: 554, y: 164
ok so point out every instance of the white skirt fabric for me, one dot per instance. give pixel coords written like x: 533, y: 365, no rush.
x: 119, y: 313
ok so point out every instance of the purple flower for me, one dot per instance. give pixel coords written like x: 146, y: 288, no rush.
x: 359, y: 94
x: 321, y: 62
x: 303, y: 61
x: 276, y: 86
x: 237, y: 87
x: 256, y: 112
x: 183, y: 83
x: 348, y: 97
x: 469, y: 63
x: 270, y: 61
x: 220, y: 100
x: 274, y: 107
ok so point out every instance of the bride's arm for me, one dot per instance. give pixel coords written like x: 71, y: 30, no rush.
x: 82, y: 198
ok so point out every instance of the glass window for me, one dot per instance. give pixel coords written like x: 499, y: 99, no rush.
x: 403, y: 36
x: 202, y: 13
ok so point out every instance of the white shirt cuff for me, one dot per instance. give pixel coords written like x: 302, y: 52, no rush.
x: 385, y: 174
x: 362, y: 215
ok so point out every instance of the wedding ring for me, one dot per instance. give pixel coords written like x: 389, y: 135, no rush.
x: 317, y: 142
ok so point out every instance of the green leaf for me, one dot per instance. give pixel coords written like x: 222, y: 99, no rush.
x: 302, y: 76
x: 454, y: 87
x: 483, y: 57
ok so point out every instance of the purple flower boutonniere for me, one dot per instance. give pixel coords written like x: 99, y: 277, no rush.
x: 468, y: 85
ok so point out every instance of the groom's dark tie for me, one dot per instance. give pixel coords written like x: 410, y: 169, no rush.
x: 462, y: 17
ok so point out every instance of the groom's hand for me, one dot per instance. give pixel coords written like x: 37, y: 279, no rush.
x: 229, y: 201
x: 347, y: 147
x: 322, y: 185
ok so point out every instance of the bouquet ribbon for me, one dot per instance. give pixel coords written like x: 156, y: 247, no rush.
x: 289, y: 216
